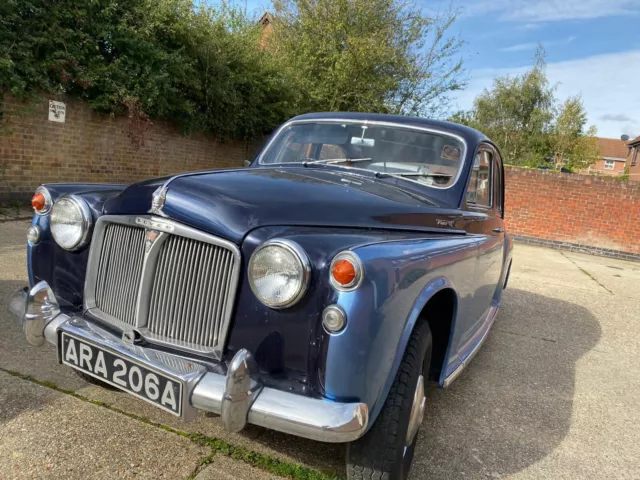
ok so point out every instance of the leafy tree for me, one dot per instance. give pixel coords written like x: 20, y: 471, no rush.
x: 573, y: 147
x: 200, y: 67
x: 521, y: 115
x: 517, y: 114
x: 366, y: 55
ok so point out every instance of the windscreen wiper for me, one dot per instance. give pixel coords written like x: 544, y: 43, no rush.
x: 412, y: 174
x: 333, y: 161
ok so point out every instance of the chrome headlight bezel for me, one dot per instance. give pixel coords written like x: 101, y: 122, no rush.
x: 354, y: 259
x: 48, y: 202
x: 303, y: 263
x: 85, y: 223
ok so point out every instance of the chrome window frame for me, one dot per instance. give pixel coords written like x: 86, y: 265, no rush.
x: 483, y: 206
x: 377, y: 124
x: 166, y: 227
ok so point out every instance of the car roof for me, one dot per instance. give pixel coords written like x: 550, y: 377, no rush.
x: 470, y: 135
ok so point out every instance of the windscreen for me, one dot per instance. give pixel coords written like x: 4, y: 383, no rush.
x: 431, y: 158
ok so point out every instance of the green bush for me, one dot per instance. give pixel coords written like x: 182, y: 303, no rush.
x: 166, y: 59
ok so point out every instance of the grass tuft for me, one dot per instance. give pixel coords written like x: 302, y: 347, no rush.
x: 217, y: 446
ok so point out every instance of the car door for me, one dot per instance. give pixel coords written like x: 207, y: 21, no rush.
x: 484, y: 201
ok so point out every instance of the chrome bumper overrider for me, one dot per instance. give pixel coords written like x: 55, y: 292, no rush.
x: 238, y: 397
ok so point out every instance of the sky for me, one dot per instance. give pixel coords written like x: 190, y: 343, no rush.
x: 593, y: 49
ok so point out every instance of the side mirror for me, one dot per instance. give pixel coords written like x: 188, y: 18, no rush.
x: 247, y: 163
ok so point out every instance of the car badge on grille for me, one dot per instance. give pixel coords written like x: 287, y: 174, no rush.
x: 157, y: 200
x: 149, y: 238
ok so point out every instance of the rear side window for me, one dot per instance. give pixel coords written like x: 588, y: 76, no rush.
x: 481, y: 184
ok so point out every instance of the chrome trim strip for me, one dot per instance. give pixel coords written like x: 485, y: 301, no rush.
x: 149, y: 264
x: 493, y: 311
x: 314, y: 418
x: 166, y: 227
x: 376, y: 123
x: 317, y: 419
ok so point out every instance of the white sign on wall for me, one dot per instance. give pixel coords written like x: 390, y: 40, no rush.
x: 57, y: 111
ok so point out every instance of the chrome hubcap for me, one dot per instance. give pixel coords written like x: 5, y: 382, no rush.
x: 417, y: 412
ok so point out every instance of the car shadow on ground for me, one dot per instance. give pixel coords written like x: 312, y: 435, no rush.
x: 512, y: 406
x: 508, y: 410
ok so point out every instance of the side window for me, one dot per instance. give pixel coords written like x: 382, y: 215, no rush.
x: 480, y: 185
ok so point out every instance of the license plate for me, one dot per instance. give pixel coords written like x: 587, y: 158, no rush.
x: 122, y: 372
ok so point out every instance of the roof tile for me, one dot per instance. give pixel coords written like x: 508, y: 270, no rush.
x: 612, y: 147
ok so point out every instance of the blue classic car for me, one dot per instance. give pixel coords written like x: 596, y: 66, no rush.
x: 313, y: 292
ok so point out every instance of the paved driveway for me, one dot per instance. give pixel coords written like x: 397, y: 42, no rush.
x: 552, y: 394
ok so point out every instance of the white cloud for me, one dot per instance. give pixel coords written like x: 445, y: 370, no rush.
x: 619, y: 117
x: 532, y: 11
x: 608, y: 85
x: 521, y: 47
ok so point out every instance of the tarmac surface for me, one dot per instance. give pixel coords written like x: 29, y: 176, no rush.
x: 553, y: 394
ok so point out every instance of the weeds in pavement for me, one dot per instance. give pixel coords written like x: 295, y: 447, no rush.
x: 217, y: 446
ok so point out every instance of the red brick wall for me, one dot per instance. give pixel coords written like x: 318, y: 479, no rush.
x: 586, y: 210
x: 90, y: 147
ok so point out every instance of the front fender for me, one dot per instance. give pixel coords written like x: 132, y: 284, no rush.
x: 64, y: 271
x: 400, y: 277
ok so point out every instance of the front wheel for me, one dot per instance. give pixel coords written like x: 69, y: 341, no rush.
x: 385, y: 452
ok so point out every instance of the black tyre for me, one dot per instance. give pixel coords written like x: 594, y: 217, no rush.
x: 93, y: 380
x: 385, y: 453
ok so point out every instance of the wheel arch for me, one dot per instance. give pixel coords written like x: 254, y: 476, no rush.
x: 437, y: 293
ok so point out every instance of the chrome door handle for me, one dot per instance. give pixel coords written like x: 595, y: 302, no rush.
x: 498, y: 229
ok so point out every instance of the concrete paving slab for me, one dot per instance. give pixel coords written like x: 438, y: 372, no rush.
x: 224, y: 468
x: 552, y: 394
x: 44, y: 433
x: 620, y: 277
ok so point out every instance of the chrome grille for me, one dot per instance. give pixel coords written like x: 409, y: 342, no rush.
x: 119, y: 271
x: 190, y: 291
x: 174, y: 284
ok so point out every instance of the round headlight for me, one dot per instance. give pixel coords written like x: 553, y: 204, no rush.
x: 279, y: 273
x: 70, y: 222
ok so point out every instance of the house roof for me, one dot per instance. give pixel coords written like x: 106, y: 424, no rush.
x: 612, y: 148
x: 266, y: 19
x: 634, y: 141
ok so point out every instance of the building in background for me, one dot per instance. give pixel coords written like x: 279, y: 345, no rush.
x: 266, y: 21
x: 633, y: 159
x: 613, y: 157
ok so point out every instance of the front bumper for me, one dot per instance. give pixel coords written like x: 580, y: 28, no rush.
x: 239, y: 397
